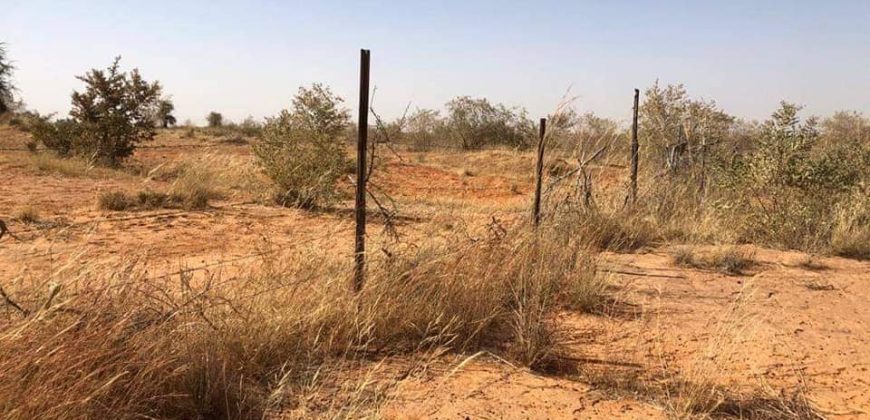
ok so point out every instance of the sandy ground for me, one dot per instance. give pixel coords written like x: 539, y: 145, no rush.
x: 778, y: 327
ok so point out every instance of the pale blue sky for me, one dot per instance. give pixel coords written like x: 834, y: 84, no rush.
x: 248, y: 58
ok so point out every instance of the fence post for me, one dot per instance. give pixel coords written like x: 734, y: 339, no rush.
x: 539, y: 169
x: 634, y: 149
x: 363, y: 134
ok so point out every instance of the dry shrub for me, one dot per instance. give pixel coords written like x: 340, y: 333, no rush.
x: 116, y: 343
x: 114, y: 201
x: 27, y: 214
x: 194, y: 199
x: 727, y: 260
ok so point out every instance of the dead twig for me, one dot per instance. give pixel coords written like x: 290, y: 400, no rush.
x: 12, y: 303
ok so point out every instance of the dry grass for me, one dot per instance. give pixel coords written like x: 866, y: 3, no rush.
x: 214, y: 175
x: 851, y: 233
x: 110, y: 341
x: 194, y: 199
x: 613, y: 230
x: 812, y: 263
x: 27, y: 214
x: 727, y: 260
x: 698, y: 387
x: 72, y: 167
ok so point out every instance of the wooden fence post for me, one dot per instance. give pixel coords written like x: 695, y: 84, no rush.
x: 634, y: 149
x: 363, y: 134
x: 539, y: 169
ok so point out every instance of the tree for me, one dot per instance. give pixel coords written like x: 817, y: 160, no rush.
x: 678, y: 130
x: 113, y: 113
x: 303, y: 150
x: 163, y: 113
x: 477, y: 123
x: 6, y: 85
x: 214, y: 119
x: 424, y: 128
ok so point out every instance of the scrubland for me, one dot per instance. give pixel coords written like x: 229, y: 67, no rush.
x: 196, y: 281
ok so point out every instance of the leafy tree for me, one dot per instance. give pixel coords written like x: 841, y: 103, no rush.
x: 302, y: 149
x: 163, y: 113
x: 477, y: 123
x: 6, y: 85
x: 214, y: 119
x: 113, y: 113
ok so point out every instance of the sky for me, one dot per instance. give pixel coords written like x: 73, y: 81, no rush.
x: 248, y: 58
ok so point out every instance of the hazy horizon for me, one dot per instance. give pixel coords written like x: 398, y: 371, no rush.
x: 248, y: 59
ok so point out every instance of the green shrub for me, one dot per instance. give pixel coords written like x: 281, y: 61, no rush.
x: 113, y: 113
x: 785, y: 191
x: 62, y: 136
x: 302, y: 150
x: 107, y: 121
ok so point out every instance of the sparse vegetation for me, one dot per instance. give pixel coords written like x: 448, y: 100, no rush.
x: 456, y: 272
x: 257, y: 344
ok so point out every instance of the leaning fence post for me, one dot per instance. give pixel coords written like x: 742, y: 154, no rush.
x: 360, y: 240
x: 634, y: 149
x: 539, y: 169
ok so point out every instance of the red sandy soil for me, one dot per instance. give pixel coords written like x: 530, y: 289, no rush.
x: 774, y: 329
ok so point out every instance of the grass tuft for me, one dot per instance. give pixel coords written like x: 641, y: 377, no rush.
x: 728, y: 260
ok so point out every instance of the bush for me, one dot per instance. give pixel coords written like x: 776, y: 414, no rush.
x: 476, y: 123
x: 62, y: 136
x: 728, y: 260
x: 108, y: 120
x: 27, y: 214
x: 302, y: 150
x: 114, y: 201
x: 425, y: 130
x: 785, y: 191
x: 151, y: 200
